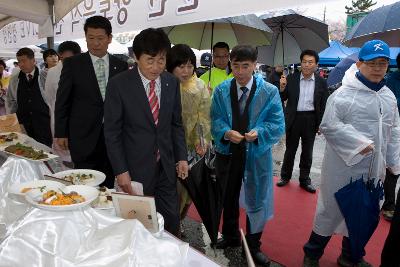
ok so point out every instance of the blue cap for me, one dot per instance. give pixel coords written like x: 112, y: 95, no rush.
x: 374, y: 49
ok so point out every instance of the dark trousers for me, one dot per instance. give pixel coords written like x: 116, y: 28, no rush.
x: 390, y: 253
x: 232, y: 170
x: 315, y: 247
x: 166, y: 198
x: 303, y: 127
x: 98, y: 160
x: 390, y: 191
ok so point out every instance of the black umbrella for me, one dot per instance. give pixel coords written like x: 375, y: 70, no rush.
x: 206, y: 193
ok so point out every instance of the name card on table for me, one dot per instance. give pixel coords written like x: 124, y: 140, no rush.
x: 141, y: 208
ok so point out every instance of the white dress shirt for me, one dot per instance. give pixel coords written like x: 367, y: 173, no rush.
x: 31, y: 73
x: 146, y: 85
x: 306, y: 95
x: 106, y: 64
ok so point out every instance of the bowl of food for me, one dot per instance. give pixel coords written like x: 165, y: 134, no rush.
x: 18, y: 191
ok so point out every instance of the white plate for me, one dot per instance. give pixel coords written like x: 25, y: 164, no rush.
x: 15, y: 189
x: 88, y: 192
x: 21, y: 139
x: 99, y: 177
x: 49, y: 156
x: 109, y: 205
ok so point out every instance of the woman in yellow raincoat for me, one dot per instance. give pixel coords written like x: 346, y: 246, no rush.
x: 195, y: 98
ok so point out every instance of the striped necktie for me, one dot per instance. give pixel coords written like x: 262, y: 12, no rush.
x: 242, y: 99
x: 101, y: 76
x: 153, y: 101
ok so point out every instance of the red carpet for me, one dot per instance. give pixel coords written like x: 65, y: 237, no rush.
x: 285, y: 235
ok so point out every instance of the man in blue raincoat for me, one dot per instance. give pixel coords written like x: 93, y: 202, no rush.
x: 246, y: 121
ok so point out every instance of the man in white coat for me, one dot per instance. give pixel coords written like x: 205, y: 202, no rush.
x: 361, y: 123
x: 65, y: 49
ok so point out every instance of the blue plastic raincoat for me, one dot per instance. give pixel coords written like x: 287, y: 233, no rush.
x: 266, y: 117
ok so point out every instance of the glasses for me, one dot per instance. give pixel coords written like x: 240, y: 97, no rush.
x: 373, y: 64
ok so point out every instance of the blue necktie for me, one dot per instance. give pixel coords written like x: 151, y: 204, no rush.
x: 242, y: 99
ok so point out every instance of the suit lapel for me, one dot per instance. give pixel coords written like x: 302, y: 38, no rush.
x: 297, y: 88
x: 113, y: 67
x: 92, y: 77
x: 142, y: 96
x: 164, y: 98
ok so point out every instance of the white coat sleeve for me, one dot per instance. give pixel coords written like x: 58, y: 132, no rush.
x: 343, y: 138
x: 393, y: 146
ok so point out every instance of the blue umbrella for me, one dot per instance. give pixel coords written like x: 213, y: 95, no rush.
x: 359, y: 204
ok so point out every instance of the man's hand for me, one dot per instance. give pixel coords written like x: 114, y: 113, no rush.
x: 182, y: 169
x: 124, y: 182
x: 62, y: 143
x: 251, y: 136
x: 282, y: 83
x: 368, y: 149
x: 234, y: 136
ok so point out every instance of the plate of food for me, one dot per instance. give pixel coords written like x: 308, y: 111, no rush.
x: 18, y: 191
x: 27, y: 152
x: 82, y: 176
x: 62, y: 199
x: 104, y: 199
x: 10, y: 138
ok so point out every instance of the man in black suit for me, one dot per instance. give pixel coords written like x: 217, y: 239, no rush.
x: 25, y: 97
x: 80, y: 100
x: 306, y: 94
x: 143, y: 126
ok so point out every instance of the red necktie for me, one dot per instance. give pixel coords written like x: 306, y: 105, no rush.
x: 154, y: 106
x: 153, y: 101
x: 30, y: 77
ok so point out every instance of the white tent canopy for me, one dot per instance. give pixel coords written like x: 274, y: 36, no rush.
x: 36, y: 11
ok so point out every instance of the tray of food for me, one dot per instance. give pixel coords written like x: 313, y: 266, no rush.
x: 82, y: 176
x: 104, y: 199
x: 27, y: 152
x: 10, y: 138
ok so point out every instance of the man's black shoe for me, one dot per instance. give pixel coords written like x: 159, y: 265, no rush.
x: 308, y: 187
x: 225, y: 243
x: 259, y: 258
x: 282, y: 182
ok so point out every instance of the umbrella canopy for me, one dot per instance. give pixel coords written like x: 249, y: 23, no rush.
x: 359, y: 204
x: 292, y: 34
x: 383, y: 23
x: 333, y: 54
x: 246, y: 29
x: 206, y: 194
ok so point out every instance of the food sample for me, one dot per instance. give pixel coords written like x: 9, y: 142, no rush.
x: 26, y: 151
x: 8, y: 137
x: 80, y: 178
x: 27, y: 189
x: 55, y: 198
x: 104, y: 200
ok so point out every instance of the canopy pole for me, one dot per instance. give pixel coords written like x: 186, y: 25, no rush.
x: 50, y: 40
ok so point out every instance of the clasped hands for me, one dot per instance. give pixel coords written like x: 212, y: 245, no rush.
x: 235, y: 137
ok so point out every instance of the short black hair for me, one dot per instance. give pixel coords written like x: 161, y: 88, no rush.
x: 151, y: 42
x: 221, y: 45
x: 69, y: 46
x: 244, y: 53
x: 3, y: 63
x: 398, y: 61
x: 178, y: 55
x: 25, y: 51
x: 309, y: 52
x: 98, y: 22
x: 49, y: 52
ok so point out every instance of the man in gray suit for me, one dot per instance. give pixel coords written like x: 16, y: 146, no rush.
x: 143, y: 126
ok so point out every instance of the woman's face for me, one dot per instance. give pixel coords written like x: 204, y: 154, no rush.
x: 184, y: 71
x: 51, y: 61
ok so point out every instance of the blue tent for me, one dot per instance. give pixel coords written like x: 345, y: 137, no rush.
x: 334, y: 53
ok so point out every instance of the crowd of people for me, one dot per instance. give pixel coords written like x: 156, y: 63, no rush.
x: 143, y: 123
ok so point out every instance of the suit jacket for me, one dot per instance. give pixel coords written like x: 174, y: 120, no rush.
x: 131, y: 136
x: 292, y: 92
x: 79, y: 104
